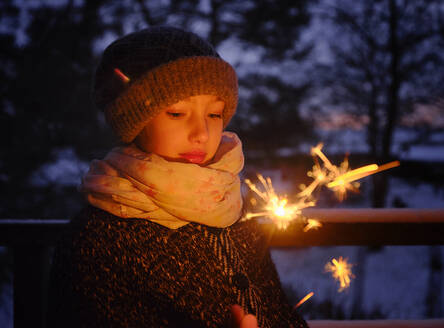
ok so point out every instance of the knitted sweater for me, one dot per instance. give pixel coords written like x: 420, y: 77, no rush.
x: 113, y: 272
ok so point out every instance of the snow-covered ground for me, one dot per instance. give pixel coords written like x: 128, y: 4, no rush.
x: 396, y: 278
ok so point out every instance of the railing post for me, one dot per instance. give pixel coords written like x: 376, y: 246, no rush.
x: 30, y: 267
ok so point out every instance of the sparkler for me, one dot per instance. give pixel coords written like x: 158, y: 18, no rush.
x: 276, y: 208
x: 340, y: 179
x: 304, y: 299
x: 341, y: 271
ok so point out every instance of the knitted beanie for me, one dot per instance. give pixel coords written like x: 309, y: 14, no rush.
x: 143, y: 72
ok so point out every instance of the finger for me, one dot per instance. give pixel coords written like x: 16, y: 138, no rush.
x: 237, y: 314
x: 249, y: 321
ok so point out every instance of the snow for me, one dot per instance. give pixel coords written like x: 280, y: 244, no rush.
x: 353, y: 141
x: 395, y: 273
x: 67, y: 169
x: 396, y: 278
x: 420, y: 195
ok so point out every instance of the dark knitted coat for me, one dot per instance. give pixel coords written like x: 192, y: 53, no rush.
x: 113, y: 272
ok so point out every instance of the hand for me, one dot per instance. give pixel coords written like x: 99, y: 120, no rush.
x: 240, y: 320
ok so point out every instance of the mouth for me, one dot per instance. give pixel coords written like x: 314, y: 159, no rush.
x: 196, y: 157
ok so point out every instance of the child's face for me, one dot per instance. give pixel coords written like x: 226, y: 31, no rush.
x: 188, y: 131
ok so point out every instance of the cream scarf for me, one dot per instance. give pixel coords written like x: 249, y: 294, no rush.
x: 130, y: 183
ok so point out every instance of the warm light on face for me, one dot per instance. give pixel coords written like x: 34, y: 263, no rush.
x: 188, y: 131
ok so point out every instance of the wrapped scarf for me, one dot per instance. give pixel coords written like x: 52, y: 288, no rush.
x: 130, y: 183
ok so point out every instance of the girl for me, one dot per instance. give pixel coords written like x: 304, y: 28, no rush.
x: 160, y: 244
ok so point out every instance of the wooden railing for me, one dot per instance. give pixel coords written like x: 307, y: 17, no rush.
x: 31, y: 242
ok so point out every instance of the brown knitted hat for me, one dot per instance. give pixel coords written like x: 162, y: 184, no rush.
x: 143, y: 72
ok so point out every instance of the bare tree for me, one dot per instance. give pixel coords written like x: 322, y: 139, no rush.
x: 385, y: 59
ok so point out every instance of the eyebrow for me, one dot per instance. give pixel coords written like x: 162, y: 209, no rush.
x: 191, y: 103
x: 222, y: 107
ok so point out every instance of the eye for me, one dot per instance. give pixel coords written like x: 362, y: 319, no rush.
x: 215, y: 115
x: 175, y: 114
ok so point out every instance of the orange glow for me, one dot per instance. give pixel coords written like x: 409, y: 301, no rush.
x: 361, y: 173
x: 341, y: 271
x: 388, y: 166
x: 304, y: 299
x: 122, y: 76
x: 276, y: 208
x: 312, y: 224
x: 353, y: 175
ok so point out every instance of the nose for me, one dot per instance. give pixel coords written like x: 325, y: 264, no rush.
x: 198, y: 130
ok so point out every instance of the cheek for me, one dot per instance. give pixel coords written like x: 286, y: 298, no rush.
x: 216, y: 135
x: 160, y: 140
x: 167, y: 139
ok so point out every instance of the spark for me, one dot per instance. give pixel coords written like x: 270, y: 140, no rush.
x: 278, y: 209
x: 319, y: 176
x: 328, y: 173
x: 312, y: 224
x: 122, y: 76
x: 342, y: 178
x: 318, y: 152
x: 341, y: 271
x: 304, y: 299
x: 342, y: 184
